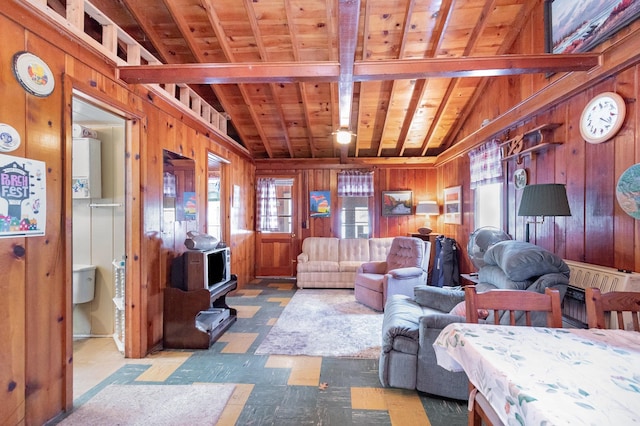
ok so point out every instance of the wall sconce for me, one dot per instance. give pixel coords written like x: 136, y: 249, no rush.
x: 427, y: 208
x: 343, y: 136
x: 547, y: 199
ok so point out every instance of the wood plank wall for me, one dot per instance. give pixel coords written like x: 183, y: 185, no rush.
x: 598, y: 231
x: 36, y: 355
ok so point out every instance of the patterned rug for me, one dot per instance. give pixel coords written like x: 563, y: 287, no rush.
x: 198, y: 404
x: 325, y: 322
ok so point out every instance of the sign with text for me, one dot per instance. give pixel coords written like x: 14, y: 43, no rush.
x: 23, y: 197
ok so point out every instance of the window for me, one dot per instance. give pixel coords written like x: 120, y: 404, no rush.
x: 275, y: 205
x: 354, y: 217
x: 486, y: 180
x: 488, y: 205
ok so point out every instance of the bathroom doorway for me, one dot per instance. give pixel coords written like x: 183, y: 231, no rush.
x: 98, y: 229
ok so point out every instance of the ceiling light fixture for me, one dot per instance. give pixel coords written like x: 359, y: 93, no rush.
x: 343, y: 136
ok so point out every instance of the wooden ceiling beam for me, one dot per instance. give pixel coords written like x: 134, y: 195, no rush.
x: 291, y: 72
x: 231, y: 73
x: 348, y: 16
x: 471, y: 66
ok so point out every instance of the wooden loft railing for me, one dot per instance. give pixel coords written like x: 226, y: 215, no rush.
x: 180, y: 95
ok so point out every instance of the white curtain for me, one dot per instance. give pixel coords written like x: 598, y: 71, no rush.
x: 267, y: 206
x: 355, y: 183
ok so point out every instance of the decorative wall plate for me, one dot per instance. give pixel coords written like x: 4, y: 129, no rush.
x: 520, y: 178
x: 602, y: 117
x: 628, y: 191
x: 33, y: 74
x: 9, y: 138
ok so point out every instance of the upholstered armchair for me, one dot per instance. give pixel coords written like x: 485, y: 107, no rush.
x: 404, y: 268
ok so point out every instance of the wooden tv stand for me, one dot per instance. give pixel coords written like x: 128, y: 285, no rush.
x: 180, y: 311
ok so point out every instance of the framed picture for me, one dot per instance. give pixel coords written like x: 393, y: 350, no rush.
x: 320, y: 203
x: 579, y: 26
x: 397, y: 203
x: 453, y: 205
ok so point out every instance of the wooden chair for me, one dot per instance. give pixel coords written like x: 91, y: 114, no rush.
x: 601, y: 306
x: 511, y: 301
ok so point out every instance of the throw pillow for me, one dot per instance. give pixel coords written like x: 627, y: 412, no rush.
x: 461, y: 310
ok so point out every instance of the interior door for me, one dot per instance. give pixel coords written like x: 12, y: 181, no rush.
x: 276, y: 250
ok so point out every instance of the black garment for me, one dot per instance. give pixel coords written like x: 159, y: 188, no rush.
x: 446, y: 266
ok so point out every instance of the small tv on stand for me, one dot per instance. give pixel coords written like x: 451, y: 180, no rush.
x: 197, y: 269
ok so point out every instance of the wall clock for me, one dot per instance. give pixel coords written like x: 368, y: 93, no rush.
x: 602, y: 117
x: 33, y: 74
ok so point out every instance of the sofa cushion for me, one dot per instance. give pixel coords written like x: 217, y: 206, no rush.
x: 438, y: 298
x: 353, y: 250
x: 349, y: 265
x: 321, y: 249
x: 520, y: 260
x: 318, y: 266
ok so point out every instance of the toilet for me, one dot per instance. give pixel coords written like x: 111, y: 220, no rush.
x: 84, y: 283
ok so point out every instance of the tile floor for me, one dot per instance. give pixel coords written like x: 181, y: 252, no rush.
x: 270, y: 390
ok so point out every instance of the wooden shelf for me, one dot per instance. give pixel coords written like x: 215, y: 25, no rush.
x: 529, y: 142
x: 181, y: 309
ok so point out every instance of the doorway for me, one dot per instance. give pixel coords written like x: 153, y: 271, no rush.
x: 98, y: 238
x: 276, y: 225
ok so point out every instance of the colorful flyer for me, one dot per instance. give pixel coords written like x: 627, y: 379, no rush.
x: 320, y: 203
x: 23, y: 197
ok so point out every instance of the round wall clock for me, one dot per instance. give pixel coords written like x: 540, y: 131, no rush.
x: 602, y: 117
x: 33, y: 74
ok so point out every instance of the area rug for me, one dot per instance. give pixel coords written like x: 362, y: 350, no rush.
x: 156, y: 405
x: 325, y: 322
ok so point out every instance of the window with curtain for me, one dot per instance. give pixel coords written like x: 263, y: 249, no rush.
x: 266, y: 205
x: 486, y: 182
x: 355, y: 187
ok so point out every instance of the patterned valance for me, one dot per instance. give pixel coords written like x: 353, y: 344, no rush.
x: 355, y: 183
x: 486, y: 164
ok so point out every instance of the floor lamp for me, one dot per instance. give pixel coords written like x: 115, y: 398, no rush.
x: 546, y: 199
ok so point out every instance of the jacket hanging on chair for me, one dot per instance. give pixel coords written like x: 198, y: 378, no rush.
x: 446, y: 269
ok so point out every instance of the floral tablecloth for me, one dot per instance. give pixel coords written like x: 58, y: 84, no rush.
x: 546, y: 376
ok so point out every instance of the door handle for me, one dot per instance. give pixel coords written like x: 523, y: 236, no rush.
x: 293, y: 235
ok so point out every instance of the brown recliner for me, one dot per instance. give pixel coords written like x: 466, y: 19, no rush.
x: 405, y: 268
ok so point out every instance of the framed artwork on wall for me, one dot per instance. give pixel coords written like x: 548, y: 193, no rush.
x: 453, y: 205
x: 397, y: 203
x: 574, y: 27
x: 320, y: 203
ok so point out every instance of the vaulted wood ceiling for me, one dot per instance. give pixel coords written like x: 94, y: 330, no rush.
x: 401, y: 74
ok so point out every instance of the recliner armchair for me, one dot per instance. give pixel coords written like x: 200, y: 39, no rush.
x: 412, y: 323
x: 404, y: 268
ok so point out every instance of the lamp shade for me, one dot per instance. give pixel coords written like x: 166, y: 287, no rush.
x: 427, y: 207
x: 547, y: 199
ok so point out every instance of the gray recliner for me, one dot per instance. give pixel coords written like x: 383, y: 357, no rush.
x: 412, y: 324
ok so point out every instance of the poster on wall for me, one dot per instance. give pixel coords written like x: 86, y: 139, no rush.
x: 23, y: 197
x: 320, y: 203
x: 190, y: 205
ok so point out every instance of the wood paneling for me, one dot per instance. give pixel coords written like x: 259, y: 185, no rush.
x: 36, y: 356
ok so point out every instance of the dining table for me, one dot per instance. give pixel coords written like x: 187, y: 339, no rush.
x: 548, y: 376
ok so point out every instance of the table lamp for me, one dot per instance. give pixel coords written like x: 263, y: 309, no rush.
x: 428, y: 208
x: 546, y: 199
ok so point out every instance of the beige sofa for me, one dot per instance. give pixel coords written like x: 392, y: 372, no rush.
x: 328, y: 262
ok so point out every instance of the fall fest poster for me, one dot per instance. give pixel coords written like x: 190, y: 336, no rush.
x: 23, y: 196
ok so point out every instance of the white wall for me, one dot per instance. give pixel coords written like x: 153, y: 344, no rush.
x: 98, y: 235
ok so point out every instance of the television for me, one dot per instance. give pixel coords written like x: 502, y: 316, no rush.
x: 196, y: 269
